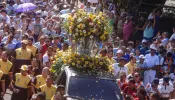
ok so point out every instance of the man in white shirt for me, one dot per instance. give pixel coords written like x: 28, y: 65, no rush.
x: 152, y: 87
x: 5, y: 16
x: 152, y: 61
x: 119, y: 67
x: 47, y: 56
x: 165, y: 89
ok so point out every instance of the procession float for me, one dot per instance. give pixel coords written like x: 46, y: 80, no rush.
x: 85, y: 74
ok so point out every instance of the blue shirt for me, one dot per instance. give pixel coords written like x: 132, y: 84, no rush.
x: 10, y: 46
x: 18, y: 45
x: 148, y: 32
x: 143, y: 50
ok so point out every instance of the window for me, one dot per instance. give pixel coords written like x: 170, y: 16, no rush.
x: 88, y: 88
x: 61, y: 80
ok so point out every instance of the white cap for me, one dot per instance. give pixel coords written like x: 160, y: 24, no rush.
x: 141, y: 57
x: 119, y: 51
x: 144, y: 41
x: 152, y: 46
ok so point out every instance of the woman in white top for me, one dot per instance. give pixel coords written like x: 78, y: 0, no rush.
x: 120, y: 68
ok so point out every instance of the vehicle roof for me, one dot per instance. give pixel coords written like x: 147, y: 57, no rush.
x: 73, y: 72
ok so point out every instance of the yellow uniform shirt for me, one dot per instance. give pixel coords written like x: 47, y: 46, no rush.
x: 5, y: 66
x: 52, y: 98
x: 23, y: 54
x: 130, y: 67
x: 40, y: 80
x: 1, y: 74
x: 22, y: 81
x: 49, y: 91
x: 33, y: 49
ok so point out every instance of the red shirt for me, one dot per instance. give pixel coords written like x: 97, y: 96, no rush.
x: 123, y: 86
x: 44, y: 49
x: 129, y: 91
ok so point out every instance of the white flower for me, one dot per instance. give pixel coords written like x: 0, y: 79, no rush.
x: 79, y: 20
x: 83, y: 25
x: 84, y: 31
x: 91, y: 36
x: 76, y: 34
x: 76, y: 30
x: 105, y: 28
x: 91, y: 23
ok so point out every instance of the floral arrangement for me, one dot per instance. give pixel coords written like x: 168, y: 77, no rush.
x: 87, y: 29
x: 81, y: 62
x: 82, y: 25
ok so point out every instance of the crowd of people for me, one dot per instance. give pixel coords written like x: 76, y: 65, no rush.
x: 141, y: 55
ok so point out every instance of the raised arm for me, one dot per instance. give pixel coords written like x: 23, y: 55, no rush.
x: 154, y: 23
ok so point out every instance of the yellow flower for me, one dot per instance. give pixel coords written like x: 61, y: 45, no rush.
x: 105, y: 32
x: 102, y: 18
x: 89, y: 33
x: 84, y: 34
x: 57, y: 59
x: 78, y: 62
x: 81, y: 34
x: 82, y: 59
x: 101, y: 63
x: 71, y: 24
x: 91, y: 66
x: 99, y: 22
x: 73, y: 64
x: 55, y: 56
x: 101, y: 37
x: 86, y: 62
x: 64, y: 61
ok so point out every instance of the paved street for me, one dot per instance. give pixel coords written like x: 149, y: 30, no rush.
x: 8, y: 95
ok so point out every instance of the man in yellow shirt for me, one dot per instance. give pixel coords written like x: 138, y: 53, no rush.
x: 20, y: 84
x: 22, y: 56
x: 2, y: 89
x: 40, y: 79
x: 131, y: 65
x: 6, y: 68
x: 49, y: 89
x: 32, y: 47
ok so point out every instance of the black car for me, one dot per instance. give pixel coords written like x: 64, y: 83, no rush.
x: 82, y: 86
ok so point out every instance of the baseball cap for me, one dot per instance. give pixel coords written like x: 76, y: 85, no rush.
x: 144, y: 41
x: 24, y: 41
x: 141, y: 57
x: 24, y: 67
x: 119, y: 51
x: 152, y: 46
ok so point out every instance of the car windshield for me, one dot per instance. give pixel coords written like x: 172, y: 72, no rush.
x: 93, y: 88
